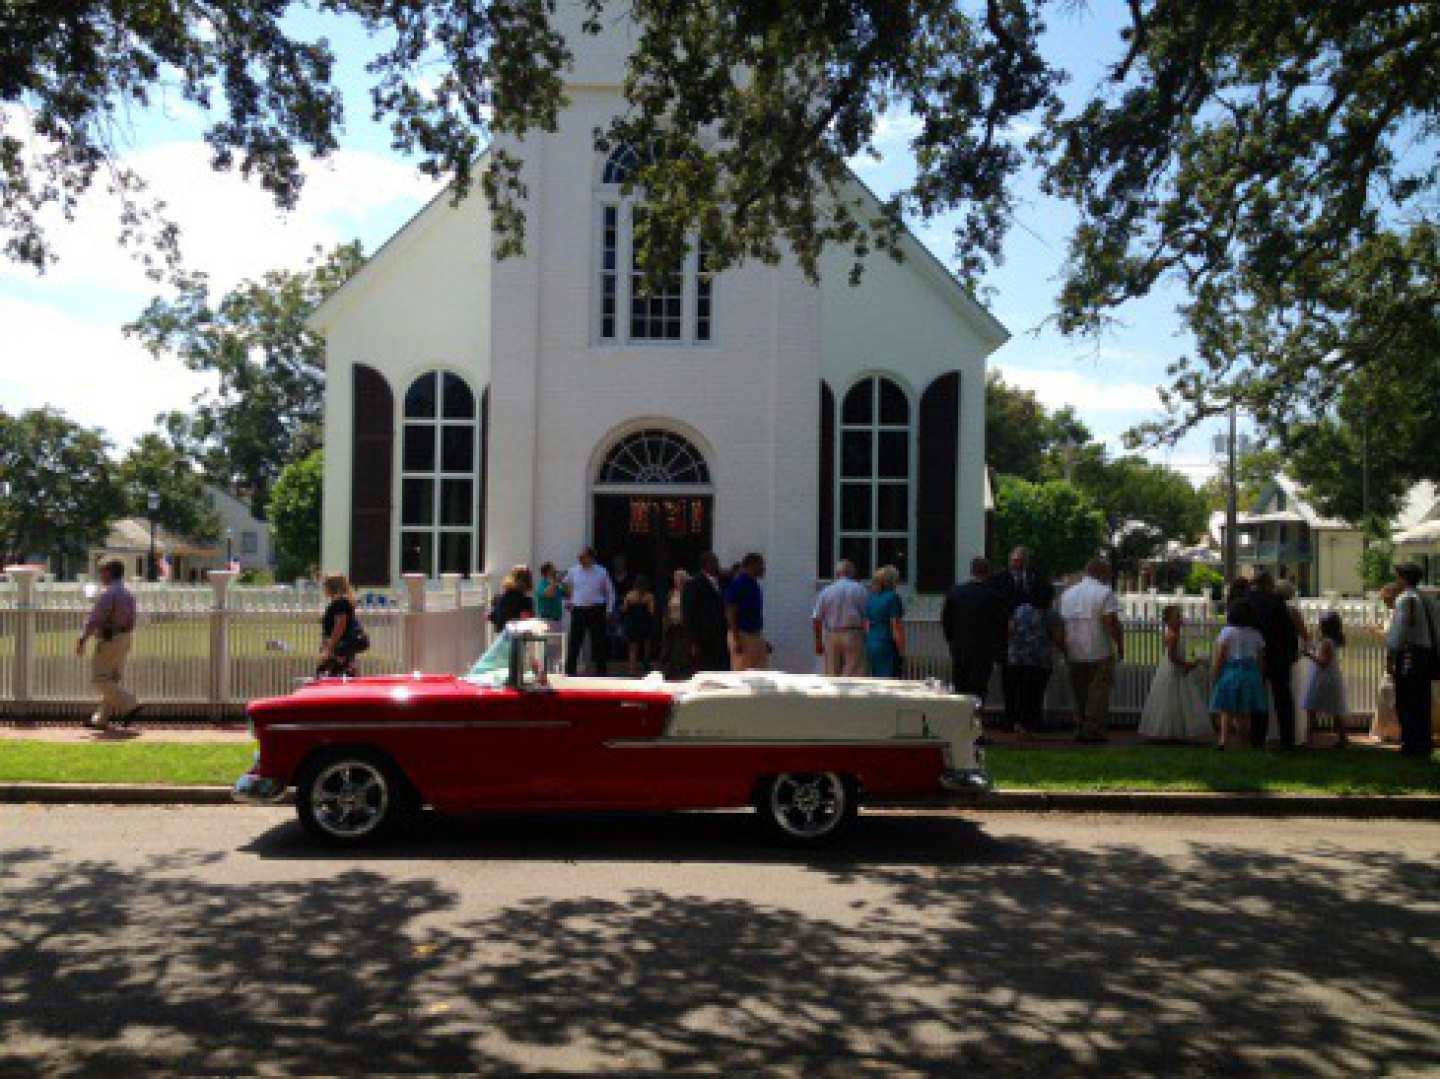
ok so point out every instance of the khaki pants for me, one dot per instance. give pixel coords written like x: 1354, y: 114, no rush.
x: 1090, y: 683
x: 751, y: 653
x: 845, y: 653
x: 107, y: 668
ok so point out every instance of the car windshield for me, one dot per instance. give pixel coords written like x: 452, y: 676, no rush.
x: 493, y: 667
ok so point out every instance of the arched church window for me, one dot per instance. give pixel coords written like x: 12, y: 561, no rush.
x: 681, y: 308
x: 653, y: 457
x: 440, y: 476
x: 875, y: 438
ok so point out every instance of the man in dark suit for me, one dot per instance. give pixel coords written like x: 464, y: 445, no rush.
x: 1282, y: 649
x: 1017, y: 585
x: 702, y: 614
x: 975, y: 621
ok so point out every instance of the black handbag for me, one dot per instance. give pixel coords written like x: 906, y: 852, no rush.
x: 356, y: 639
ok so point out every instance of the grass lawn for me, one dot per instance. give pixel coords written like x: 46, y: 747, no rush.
x: 1145, y: 768
x: 1200, y: 768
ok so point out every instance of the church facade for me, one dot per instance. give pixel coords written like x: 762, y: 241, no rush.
x: 481, y: 413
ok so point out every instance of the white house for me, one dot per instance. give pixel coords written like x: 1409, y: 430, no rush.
x: 243, y: 537
x: 481, y: 413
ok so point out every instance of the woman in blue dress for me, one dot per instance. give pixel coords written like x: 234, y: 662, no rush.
x: 884, y: 624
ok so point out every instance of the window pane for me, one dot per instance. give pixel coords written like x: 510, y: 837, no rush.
x: 454, y: 552
x: 420, y: 397
x: 895, y: 454
x: 859, y: 403
x: 457, y: 449
x: 893, y: 551
x: 456, y: 501
x: 415, y: 550
x: 894, y: 506
x: 417, y: 502
x: 459, y: 401
x: 893, y: 406
x: 855, y: 507
x: 855, y: 454
x: 857, y: 549
x: 419, y: 447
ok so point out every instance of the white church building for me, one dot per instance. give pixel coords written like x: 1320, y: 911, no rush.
x: 481, y: 413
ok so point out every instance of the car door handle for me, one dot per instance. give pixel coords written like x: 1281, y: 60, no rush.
x: 632, y: 704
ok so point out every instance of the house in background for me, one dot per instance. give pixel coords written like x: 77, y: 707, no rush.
x: 129, y: 541
x: 1417, y: 531
x: 243, y: 537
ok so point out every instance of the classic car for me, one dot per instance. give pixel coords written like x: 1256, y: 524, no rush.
x: 364, y: 755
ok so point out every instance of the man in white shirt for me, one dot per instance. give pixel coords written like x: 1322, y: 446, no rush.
x: 1410, y: 644
x: 1094, y: 643
x: 839, y: 623
x: 591, y: 595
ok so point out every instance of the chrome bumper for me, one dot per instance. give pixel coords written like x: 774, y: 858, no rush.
x: 972, y: 781
x: 257, y: 790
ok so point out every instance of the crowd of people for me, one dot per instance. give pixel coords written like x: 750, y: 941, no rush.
x: 1006, y: 621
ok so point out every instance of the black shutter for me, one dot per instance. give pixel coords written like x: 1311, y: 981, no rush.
x: 371, y: 461
x: 826, y: 548
x: 484, y: 485
x: 938, y: 472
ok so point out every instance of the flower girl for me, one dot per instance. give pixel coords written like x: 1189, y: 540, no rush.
x: 1175, y: 708
x: 1325, y: 695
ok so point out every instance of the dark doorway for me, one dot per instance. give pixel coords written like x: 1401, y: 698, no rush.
x: 656, y: 534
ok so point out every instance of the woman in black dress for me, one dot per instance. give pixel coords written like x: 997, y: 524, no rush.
x: 339, y: 630
x: 514, y: 600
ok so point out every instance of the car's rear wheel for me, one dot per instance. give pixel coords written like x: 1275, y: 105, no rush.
x: 352, y: 797
x: 807, y: 807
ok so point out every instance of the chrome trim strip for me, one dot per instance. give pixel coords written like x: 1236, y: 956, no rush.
x: 431, y: 724
x: 749, y: 743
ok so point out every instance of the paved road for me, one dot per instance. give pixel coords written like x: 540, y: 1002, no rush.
x: 216, y: 940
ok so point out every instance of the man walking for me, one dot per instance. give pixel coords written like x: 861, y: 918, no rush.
x: 745, y: 615
x: 1094, y: 643
x: 591, y: 597
x: 839, y: 623
x: 112, y: 624
x: 702, y: 613
x: 1282, y: 649
x: 1410, y: 645
x: 1018, y: 585
x: 974, y: 620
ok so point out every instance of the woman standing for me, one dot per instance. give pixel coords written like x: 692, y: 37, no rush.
x: 674, y: 648
x: 1036, y: 630
x: 885, y: 625
x: 341, y: 637
x: 550, y: 594
x: 514, y: 599
x: 637, y: 623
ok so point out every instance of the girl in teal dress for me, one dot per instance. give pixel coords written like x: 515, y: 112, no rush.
x: 884, y: 625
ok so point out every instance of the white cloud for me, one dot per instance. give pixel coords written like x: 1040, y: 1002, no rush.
x: 1057, y: 387
x: 88, y: 370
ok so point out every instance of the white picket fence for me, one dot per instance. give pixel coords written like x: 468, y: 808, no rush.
x: 192, y: 660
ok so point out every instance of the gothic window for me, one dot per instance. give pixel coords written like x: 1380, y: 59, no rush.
x: 874, y: 455
x: 680, y: 309
x: 653, y: 457
x: 440, y: 476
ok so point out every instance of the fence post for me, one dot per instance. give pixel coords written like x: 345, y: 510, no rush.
x: 414, y: 620
x: 25, y: 615
x: 220, y: 580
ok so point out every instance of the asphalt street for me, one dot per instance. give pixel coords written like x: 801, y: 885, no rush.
x: 217, y: 940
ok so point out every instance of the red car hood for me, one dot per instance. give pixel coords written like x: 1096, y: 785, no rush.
x: 390, y: 692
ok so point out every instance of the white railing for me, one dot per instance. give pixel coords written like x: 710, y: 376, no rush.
x: 191, y: 660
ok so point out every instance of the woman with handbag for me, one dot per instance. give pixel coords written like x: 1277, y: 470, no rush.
x: 342, y: 637
x: 1410, y: 645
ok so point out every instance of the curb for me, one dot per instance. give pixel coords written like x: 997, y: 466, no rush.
x: 1170, y: 803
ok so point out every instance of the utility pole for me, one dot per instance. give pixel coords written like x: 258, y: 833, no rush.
x: 1232, y: 504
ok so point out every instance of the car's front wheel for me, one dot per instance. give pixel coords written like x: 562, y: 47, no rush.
x: 352, y: 797
x: 807, y: 807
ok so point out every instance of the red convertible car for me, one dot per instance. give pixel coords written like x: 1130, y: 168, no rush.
x: 364, y: 755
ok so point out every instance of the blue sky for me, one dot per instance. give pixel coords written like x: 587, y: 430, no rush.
x: 65, y: 347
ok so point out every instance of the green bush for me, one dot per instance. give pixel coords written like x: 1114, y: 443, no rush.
x: 1203, y: 580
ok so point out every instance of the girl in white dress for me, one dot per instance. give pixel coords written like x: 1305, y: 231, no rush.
x: 1325, y: 695
x: 1175, y: 708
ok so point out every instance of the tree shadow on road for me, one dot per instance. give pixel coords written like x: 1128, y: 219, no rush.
x: 1013, y: 957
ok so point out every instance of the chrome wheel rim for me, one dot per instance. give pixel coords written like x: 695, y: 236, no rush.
x: 349, y: 799
x: 807, y: 804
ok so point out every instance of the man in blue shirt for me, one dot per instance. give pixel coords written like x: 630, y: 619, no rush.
x: 745, y: 613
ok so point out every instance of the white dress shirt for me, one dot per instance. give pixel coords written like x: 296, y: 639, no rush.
x: 1084, y: 607
x: 590, y: 587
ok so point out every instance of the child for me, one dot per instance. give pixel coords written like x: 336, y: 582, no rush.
x: 1239, y: 652
x: 1175, y: 707
x: 1325, y: 695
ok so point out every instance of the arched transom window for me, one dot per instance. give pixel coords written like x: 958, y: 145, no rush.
x: 653, y: 457
x: 681, y: 309
x: 440, y: 480
x: 875, y: 438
